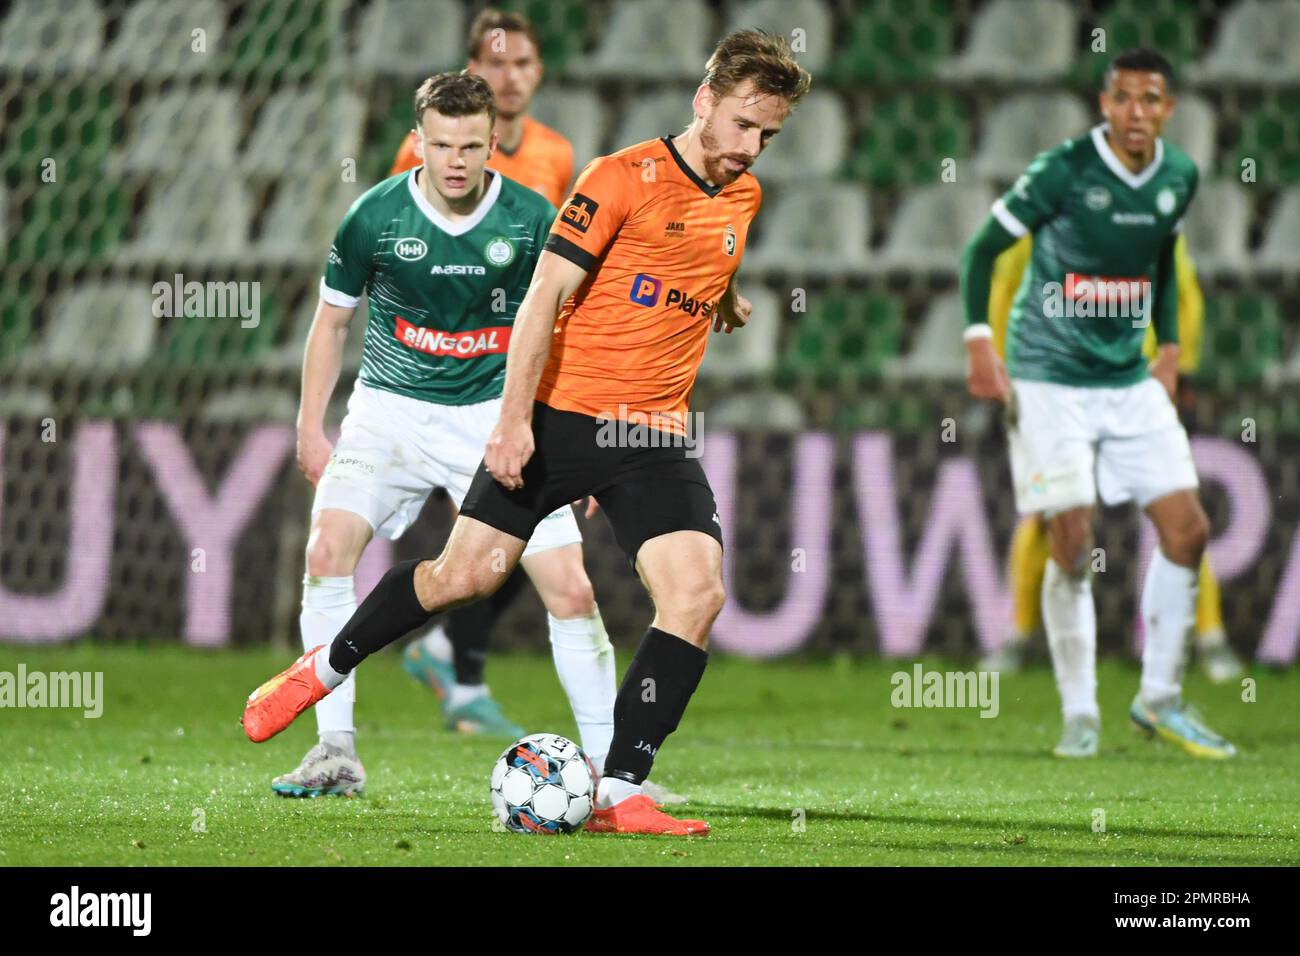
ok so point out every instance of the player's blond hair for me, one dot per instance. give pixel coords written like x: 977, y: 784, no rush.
x: 763, y: 58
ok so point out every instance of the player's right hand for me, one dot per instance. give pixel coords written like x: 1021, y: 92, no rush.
x: 986, y: 376
x: 508, y: 449
x: 314, y: 451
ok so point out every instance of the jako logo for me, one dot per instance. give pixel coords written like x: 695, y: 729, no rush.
x: 410, y: 249
x: 645, y: 290
x: 103, y: 909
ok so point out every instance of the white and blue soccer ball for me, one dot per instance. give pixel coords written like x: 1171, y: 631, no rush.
x: 543, y: 783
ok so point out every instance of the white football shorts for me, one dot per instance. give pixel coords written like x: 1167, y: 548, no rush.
x: 394, y: 450
x: 1070, y: 443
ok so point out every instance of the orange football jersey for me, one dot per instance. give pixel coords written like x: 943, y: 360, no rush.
x: 660, y: 246
x: 543, y: 161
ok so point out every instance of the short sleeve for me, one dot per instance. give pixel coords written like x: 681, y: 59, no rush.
x: 1036, y: 196
x: 350, y: 262
x: 593, y: 213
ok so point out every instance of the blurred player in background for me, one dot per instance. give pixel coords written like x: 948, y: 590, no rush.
x: 435, y: 247
x: 1086, y: 416
x: 639, y: 265
x: 1029, y: 545
x: 504, y: 49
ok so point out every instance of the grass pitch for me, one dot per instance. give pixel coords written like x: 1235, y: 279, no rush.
x: 792, y: 764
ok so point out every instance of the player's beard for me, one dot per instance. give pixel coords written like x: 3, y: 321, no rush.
x: 715, y: 167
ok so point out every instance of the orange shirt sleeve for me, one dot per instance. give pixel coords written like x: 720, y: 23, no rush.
x: 599, y: 204
x: 405, y: 158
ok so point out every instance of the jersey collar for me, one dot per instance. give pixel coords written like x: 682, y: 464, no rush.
x: 1135, y: 180
x: 708, y: 190
x: 460, y: 227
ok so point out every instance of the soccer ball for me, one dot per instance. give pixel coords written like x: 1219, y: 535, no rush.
x: 543, y: 783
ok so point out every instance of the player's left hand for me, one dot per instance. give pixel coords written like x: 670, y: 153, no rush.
x: 1165, y: 369
x: 592, y: 505
x: 738, y: 317
x: 508, y: 449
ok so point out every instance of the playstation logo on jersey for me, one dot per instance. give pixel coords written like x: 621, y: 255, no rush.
x: 729, y: 240
x: 579, y: 210
x: 645, y: 290
x: 410, y: 249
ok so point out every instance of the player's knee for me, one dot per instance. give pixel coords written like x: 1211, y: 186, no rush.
x: 1185, y: 543
x: 327, y: 558
x: 699, y: 602
x: 574, y: 598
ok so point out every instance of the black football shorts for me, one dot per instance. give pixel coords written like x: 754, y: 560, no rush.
x: 644, y: 491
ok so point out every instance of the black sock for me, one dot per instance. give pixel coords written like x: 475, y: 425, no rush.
x: 470, y: 626
x: 389, y: 611
x: 651, y: 700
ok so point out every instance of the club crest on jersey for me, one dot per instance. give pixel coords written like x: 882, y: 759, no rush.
x: 1097, y: 198
x: 410, y: 249
x: 1166, y: 201
x: 729, y: 240
x: 500, y: 251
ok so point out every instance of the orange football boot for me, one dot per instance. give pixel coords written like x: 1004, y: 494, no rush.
x: 640, y: 814
x: 274, y: 705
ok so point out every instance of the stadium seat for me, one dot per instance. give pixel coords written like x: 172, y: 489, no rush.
x: 763, y: 411
x: 220, y: 342
x: 819, y: 229
x: 176, y: 129
x: 578, y: 113
x: 749, y: 352
x: 193, y: 219
x: 1017, y: 40
x: 252, y: 403
x: 906, y: 137
x: 1021, y: 127
x: 51, y: 35
x: 1165, y: 25
x: 156, y: 38
x: 653, y: 115
x: 812, y: 143
x: 783, y: 17
x: 932, y: 226
x: 1194, y: 129
x: 561, y: 27
x: 1281, y: 249
x: 1270, y: 142
x: 17, y: 310
x: 307, y: 130
x: 1258, y: 41
x: 285, y: 40
x: 411, y: 38
x: 652, y: 40
x: 843, y: 342
x: 937, y: 351
x: 894, y: 40
x: 1243, y: 341
x: 105, y: 326
x: 1217, y: 225
x: 302, y: 219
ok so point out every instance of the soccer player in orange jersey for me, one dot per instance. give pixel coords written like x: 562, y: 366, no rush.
x: 504, y: 50
x: 640, y: 264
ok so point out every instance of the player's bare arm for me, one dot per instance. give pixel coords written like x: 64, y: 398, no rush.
x: 511, y: 443
x: 1165, y: 367
x: 321, y: 365
x: 733, y: 310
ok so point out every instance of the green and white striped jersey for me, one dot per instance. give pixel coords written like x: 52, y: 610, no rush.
x: 443, y: 294
x: 1085, y: 301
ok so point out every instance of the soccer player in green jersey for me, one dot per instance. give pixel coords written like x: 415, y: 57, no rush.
x: 1085, y: 414
x: 447, y: 251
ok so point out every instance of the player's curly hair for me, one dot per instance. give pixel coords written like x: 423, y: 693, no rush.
x: 761, y: 57
x: 457, y: 93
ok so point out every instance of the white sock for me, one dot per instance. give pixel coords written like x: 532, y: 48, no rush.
x: 1071, y: 624
x: 1168, y: 610
x: 584, y: 661
x: 462, y: 694
x: 327, y: 604
x: 612, y: 791
x: 437, y: 643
